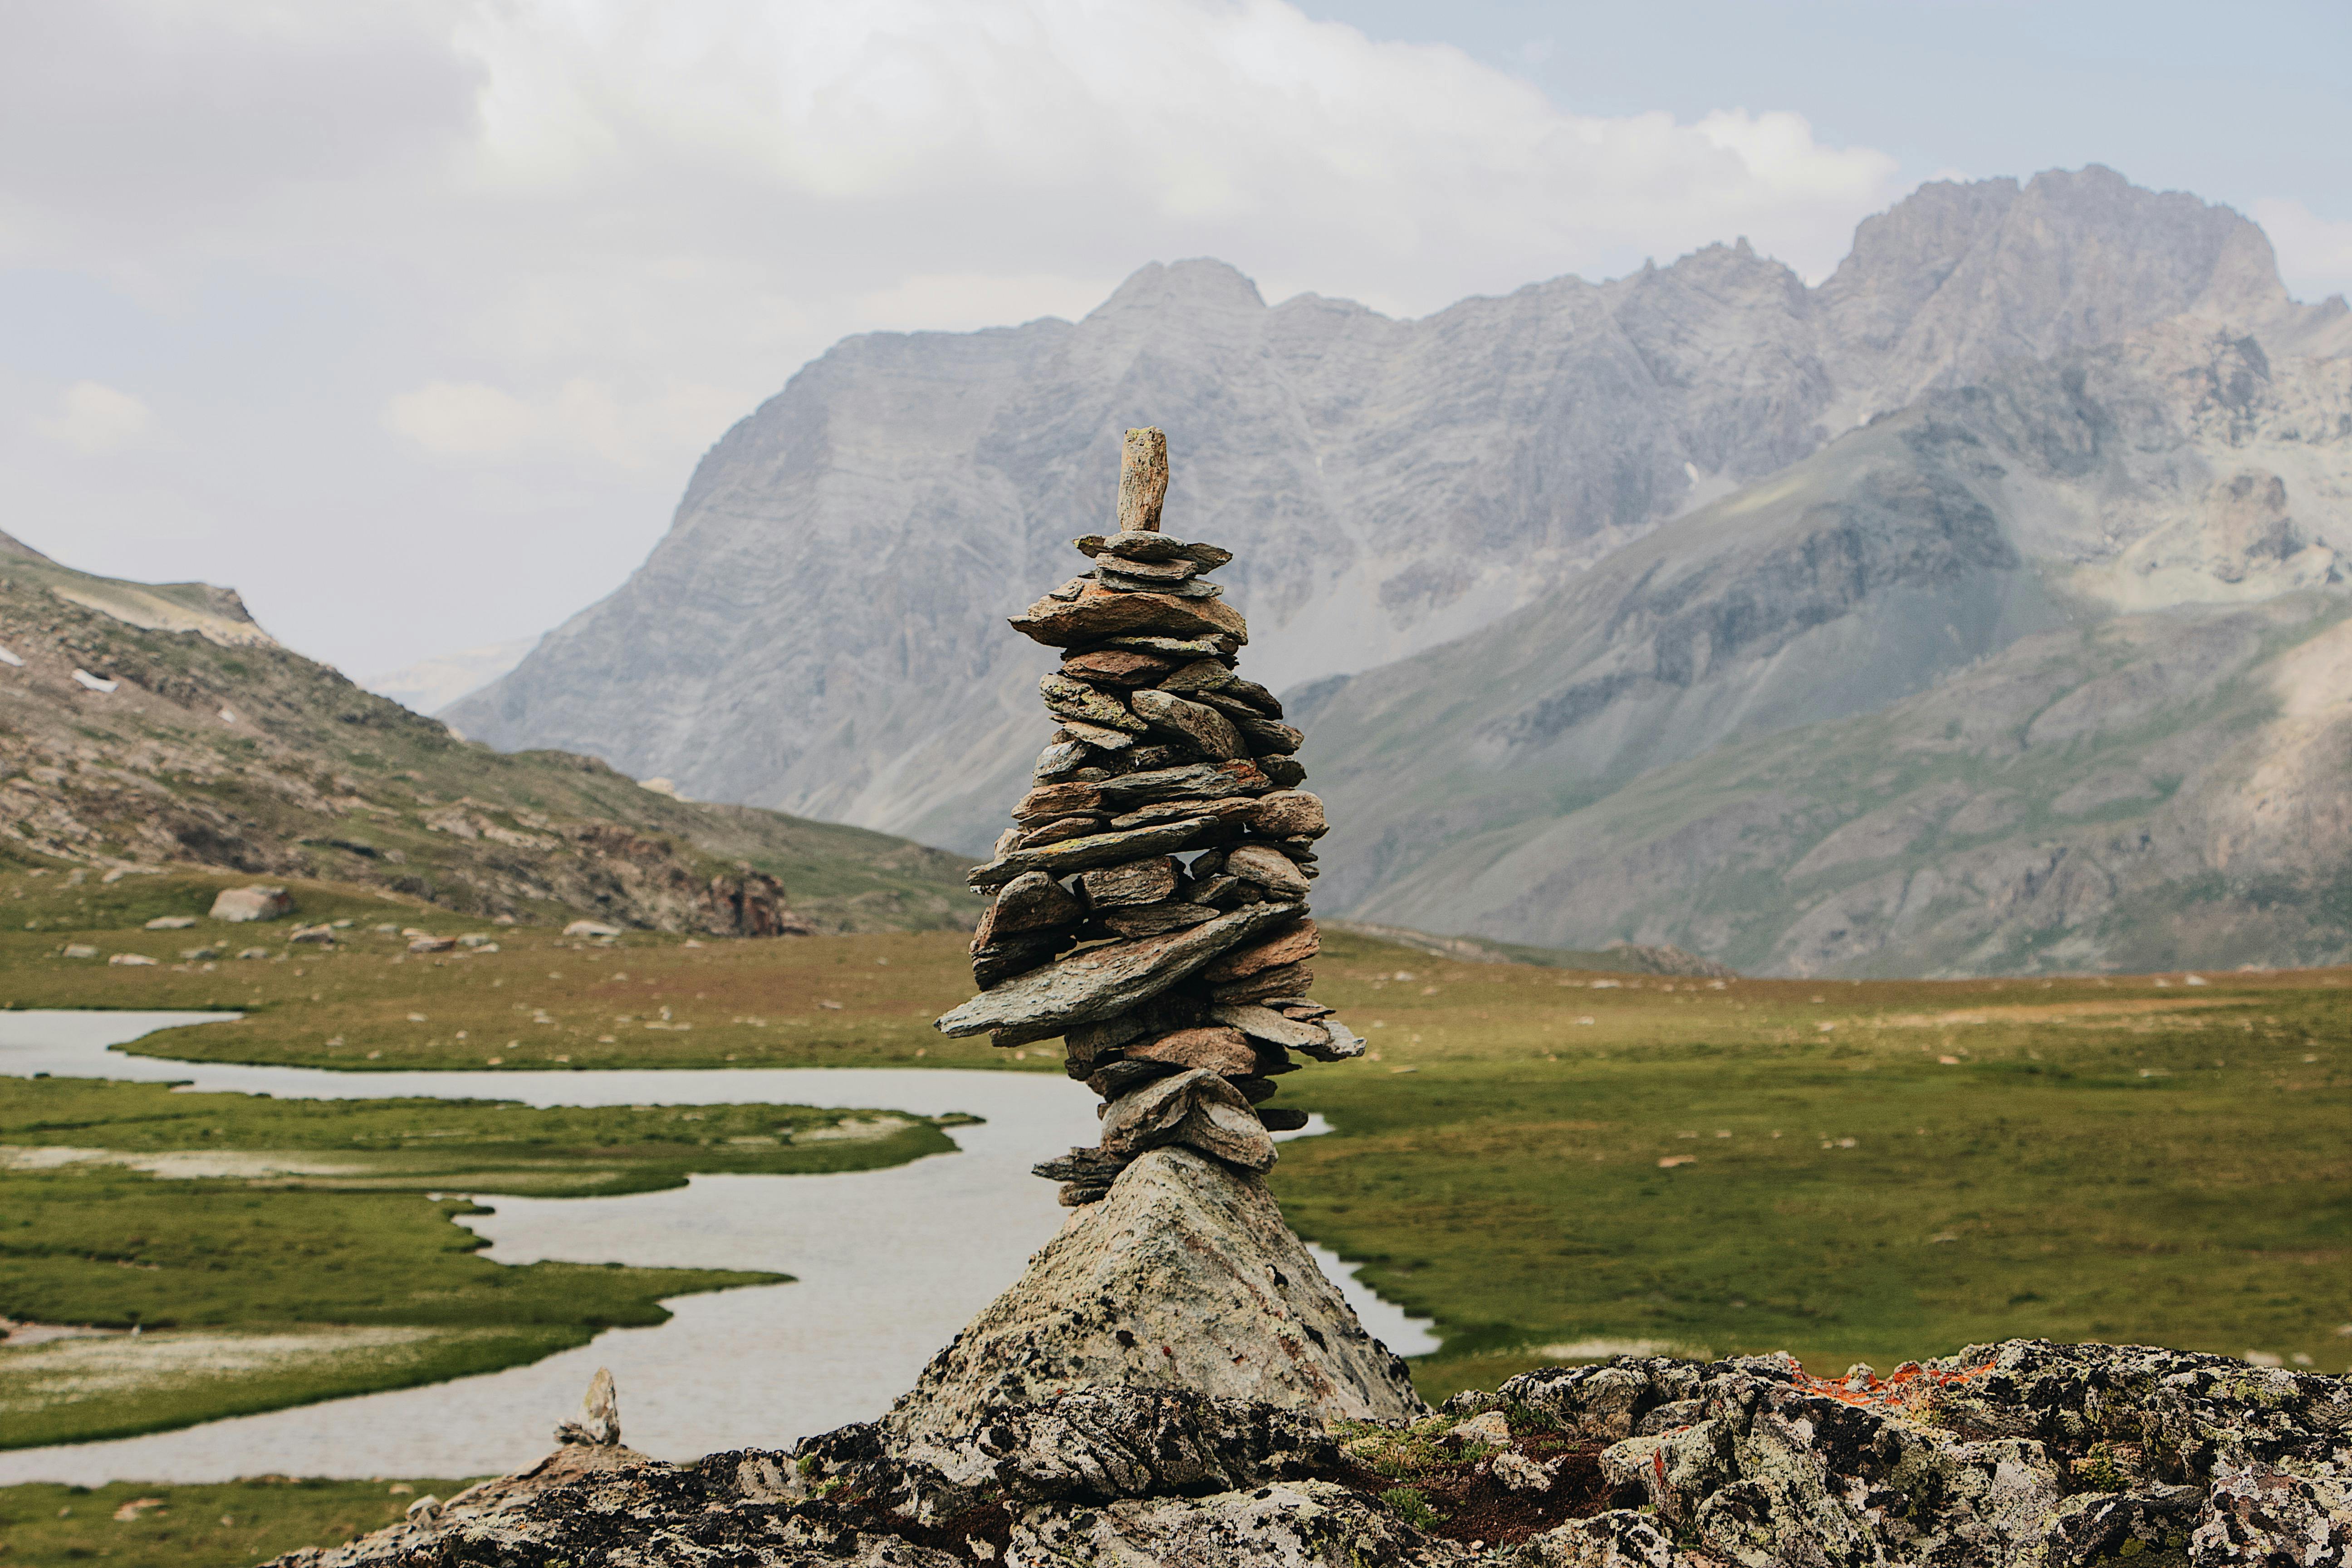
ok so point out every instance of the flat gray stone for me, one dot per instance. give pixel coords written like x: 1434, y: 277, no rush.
x: 1080, y: 854
x: 1100, y: 980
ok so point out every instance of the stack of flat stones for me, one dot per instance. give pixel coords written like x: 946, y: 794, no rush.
x: 1151, y: 898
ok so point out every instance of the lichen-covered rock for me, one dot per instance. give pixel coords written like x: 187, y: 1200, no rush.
x: 2023, y: 1454
x: 1292, y: 1524
x: 1183, y: 1276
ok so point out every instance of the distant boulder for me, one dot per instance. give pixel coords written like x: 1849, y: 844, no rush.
x: 255, y: 903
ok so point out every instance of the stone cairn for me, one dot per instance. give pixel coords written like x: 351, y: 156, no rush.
x: 1179, y: 988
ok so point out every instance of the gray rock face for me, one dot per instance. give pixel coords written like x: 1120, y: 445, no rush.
x: 819, y: 628
x: 1185, y: 1277
x: 1830, y: 685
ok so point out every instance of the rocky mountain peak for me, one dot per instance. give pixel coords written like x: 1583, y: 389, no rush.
x: 819, y: 630
x: 1201, y: 282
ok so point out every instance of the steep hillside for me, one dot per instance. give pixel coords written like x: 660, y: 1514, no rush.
x: 144, y: 725
x: 821, y: 628
x: 2033, y: 673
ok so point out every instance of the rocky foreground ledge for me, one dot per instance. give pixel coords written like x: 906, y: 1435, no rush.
x: 2023, y: 1453
x: 1173, y: 1382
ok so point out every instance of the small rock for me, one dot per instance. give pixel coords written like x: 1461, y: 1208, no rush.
x: 130, y: 959
x: 1116, y: 666
x: 1216, y: 1051
x: 1209, y: 731
x: 1060, y: 758
x: 433, y: 944
x: 1490, y: 1428
x: 424, y: 1511
x: 255, y: 903
x: 1289, y: 813
x: 600, y: 1415
x: 1133, y: 882
x: 1268, y: 867
x: 80, y: 950
x: 588, y: 927
x: 319, y: 936
x: 170, y: 923
x: 1152, y: 919
x: 1199, y: 1110
x: 1073, y: 701
x: 1201, y: 676
x: 253, y: 953
x: 1283, y: 980
x: 1029, y: 903
x: 1265, y: 1023
x: 1522, y: 1473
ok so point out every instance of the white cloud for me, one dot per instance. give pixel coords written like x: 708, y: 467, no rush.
x: 2315, y: 254
x: 94, y: 419
x: 580, y: 418
x: 554, y: 247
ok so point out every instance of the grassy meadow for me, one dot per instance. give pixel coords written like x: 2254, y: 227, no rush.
x: 1552, y: 1164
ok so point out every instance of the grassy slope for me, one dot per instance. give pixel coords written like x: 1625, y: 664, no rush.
x: 314, y: 777
x: 225, y: 1526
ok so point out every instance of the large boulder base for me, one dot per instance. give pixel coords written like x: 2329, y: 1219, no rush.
x: 2023, y: 1454
x: 1185, y: 1277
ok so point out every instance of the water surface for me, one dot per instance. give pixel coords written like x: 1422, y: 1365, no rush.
x: 888, y: 1266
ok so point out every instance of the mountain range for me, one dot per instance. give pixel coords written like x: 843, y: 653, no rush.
x: 1701, y: 606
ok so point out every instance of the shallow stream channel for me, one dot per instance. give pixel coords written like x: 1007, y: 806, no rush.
x: 888, y: 1266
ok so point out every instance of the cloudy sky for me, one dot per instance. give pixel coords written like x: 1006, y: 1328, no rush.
x: 411, y: 318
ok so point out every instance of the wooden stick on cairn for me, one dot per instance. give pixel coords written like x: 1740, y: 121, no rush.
x: 1178, y: 986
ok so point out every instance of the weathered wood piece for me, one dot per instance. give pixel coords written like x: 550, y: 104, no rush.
x: 1143, y: 481
x: 1095, y: 982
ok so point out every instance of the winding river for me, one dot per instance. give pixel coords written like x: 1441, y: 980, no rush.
x: 887, y: 1264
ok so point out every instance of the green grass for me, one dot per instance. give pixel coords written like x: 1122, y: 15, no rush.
x: 2103, y: 1159
x: 540, y: 1000
x: 225, y: 1526
x: 476, y: 1145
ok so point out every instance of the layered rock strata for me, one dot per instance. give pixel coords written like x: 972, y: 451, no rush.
x: 2021, y: 1453
x: 1151, y: 898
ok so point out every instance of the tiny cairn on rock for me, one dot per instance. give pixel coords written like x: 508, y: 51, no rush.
x: 1178, y: 988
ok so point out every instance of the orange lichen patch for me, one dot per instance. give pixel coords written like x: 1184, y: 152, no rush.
x: 1901, y: 1386
x: 2056, y: 1012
